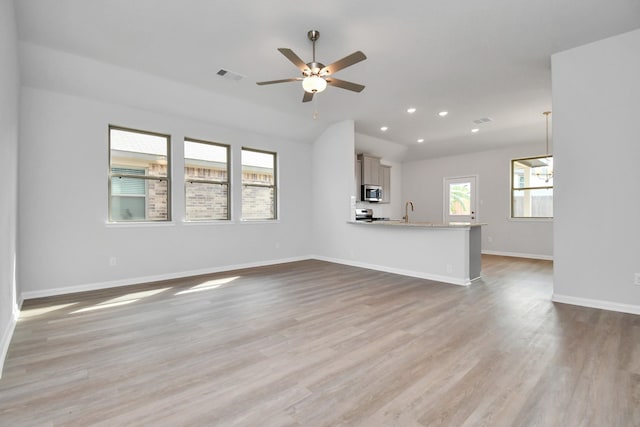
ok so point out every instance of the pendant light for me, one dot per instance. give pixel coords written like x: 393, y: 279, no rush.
x: 546, y: 115
x: 548, y: 175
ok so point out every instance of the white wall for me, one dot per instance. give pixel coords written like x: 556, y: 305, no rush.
x: 596, y: 106
x: 423, y: 184
x: 63, y: 72
x: 65, y: 242
x: 333, y: 184
x: 9, y: 89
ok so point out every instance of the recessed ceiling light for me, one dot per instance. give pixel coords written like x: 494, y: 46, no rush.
x: 443, y: 113
x: 384, y: 128
x: 411, y: 110
x: 421, y: 140
x: 476, y: 130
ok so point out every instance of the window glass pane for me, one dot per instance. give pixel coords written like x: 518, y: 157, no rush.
x: 536, y: 172
x: 127, y: 208
x: 257, y: 167
x: 460, y: 198
x: 140, y: 151
x: 206, y: 201
x: 205, y: 161
x: 124, y: 185
x: 138, y: 199
x: 258, y: 202
x: 533, y: 203
x: 258, y: 185
x: 206, y: 173
x: 157, y: 200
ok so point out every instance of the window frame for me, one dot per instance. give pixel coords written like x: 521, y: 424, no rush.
x: 208, y: 181
x: 513, y: 189
x: 274, y: 185
x: 111, y: 175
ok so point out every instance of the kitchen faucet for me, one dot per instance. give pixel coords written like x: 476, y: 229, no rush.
x: 406, y: 210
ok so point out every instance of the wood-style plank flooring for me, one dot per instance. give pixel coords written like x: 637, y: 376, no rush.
x: 318, y: 344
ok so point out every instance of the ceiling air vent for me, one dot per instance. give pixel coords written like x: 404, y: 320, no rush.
x: 229, y: 75
x: 483, y: 120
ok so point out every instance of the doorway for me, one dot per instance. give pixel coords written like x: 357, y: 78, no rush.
x: 460, y: 199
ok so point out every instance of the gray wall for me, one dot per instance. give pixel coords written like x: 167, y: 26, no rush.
x: 63, y: 201
x: 423, y: 183
x: 9, y: 89
x: 596, y: 99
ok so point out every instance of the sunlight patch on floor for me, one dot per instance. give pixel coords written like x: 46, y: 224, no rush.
x: 208, y: 285
x: 34, y: 312
x: 122, y: 300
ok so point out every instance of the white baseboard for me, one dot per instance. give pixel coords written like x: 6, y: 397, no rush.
x: 7, y: 334
x: 402, y: 272
x: 155, y: 278
x: 518, y: 255
x: 594, y: 303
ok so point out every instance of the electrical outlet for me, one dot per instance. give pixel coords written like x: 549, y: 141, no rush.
x: 449, y: 268
x: 113, y: 261
x: 636, y: 280
x: 490, y: 239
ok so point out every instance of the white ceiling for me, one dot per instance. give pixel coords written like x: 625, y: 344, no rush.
x: 475, y: 59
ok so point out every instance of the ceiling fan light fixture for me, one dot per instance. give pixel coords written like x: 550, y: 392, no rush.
x: 314, y: 84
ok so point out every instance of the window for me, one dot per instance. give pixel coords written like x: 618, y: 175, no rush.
x: 532, y: 187
x: 139, y: 186
x: 206, y: 174
x: 259, y: 192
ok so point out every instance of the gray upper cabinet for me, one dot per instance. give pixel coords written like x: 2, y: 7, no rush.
x: 385, y: 181
x: 358, y: 180
x: 370, y: 169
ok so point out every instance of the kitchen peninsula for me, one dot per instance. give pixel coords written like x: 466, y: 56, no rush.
x: 445, y: 252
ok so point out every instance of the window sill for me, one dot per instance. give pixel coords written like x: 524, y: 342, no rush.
x: 531, y: 219
x: 208, y: 222
x: 134, y: 224
x: 259, y: 221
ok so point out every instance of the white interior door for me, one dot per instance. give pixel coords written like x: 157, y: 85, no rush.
x: 460, y: 199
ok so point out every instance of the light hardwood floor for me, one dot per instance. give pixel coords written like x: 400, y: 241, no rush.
x: 318, y: 344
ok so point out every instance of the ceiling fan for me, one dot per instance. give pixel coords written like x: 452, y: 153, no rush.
x: 315, y: 75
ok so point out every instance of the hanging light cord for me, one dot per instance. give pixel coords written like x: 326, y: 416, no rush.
x: 546, y: 114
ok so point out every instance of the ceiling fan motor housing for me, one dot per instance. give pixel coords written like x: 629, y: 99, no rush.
x: 315, y: 68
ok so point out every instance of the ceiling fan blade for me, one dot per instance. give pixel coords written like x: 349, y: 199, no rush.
x: 343, y: 84
x: 345, y: 62
x: 308, y: 96
x: 270, y: 82
x: 291, y: 56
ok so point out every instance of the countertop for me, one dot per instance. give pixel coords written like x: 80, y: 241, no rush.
x: 420, y: 224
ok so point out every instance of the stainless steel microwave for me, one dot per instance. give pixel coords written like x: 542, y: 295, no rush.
x: 371, y: 193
